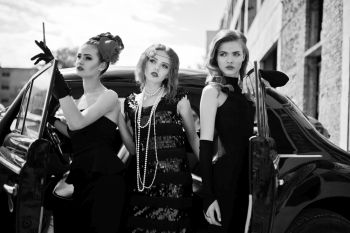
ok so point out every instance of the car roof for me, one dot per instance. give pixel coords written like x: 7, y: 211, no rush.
x: 188, y: 77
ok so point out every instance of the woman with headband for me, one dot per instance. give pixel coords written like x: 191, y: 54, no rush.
x: 161, y: 120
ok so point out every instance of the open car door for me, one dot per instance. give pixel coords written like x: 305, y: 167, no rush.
x: 24, y: 153
x: 263, y: 161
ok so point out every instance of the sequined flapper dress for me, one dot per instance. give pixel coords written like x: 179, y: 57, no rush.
x: 165, y: 206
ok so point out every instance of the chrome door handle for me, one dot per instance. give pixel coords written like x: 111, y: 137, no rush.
x: 280, y: 182
x: 11, y: 191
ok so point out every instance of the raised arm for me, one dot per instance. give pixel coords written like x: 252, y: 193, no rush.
x: 105, y: 103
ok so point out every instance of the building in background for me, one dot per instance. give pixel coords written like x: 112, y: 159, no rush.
x: 11, y: 82
x: 309, y: 41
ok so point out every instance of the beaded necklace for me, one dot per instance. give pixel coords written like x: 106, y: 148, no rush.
x: 149, y: 94
x: 141, y: 181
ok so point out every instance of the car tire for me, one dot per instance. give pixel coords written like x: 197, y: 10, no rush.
x: 320, y: 221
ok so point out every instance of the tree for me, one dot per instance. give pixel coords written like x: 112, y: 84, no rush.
x: 66, y: 57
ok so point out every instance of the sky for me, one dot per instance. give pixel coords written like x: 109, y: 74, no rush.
x: 179, y: 24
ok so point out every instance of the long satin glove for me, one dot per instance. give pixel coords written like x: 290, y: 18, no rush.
x: 60, y: 87
x: 46, y: 56
x: 205, y: 157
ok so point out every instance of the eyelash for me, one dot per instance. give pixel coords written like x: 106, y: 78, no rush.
x: 86, y: 58
x: 153, y: 61
x: 225, y: 54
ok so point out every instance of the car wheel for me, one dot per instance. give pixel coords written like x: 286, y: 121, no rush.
x: 320, y: 221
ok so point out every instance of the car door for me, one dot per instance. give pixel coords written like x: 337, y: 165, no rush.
x: 263, y: 162
x: 24, y: 153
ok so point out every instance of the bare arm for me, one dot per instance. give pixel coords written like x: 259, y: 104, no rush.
x: 61, y: 127
x: 77, y: 120
x: 185, y: 110
x: 126, y: 133
x: 208, y: 108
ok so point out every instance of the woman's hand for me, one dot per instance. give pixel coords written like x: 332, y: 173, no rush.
x: 46, y: 56
x: 213, y: 214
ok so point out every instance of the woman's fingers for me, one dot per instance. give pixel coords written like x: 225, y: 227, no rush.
x: 213, y: 214
x: 210, y: 216
x: 218, y: 212
x: 217, y: 215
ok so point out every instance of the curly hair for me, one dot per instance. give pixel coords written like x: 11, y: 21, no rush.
x: 171, y: 81
x: 215, y: 74
x: 108, y: 46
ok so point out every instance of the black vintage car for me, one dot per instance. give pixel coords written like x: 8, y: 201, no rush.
x: 299, y: 181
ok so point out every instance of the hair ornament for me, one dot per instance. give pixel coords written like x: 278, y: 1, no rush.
x: 109, y: 46
x: 152, y: 51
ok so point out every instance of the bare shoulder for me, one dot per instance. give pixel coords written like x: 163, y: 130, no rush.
x: 210, y: 91
x: 108, y: 95
x: 111, y: 93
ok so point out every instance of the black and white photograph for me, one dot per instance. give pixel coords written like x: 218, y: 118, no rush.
x: 175, y: 116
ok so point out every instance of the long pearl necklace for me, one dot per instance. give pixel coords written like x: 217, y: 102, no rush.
x: 141, y: 181
x: 149, y: 94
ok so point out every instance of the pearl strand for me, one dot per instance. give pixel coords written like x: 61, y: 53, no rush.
x: 153, y: 93
x: 141, y: 181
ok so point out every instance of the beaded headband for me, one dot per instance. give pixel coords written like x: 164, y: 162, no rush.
x: 153, y: 53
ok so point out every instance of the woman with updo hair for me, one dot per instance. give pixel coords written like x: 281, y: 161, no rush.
x: 95, y: 171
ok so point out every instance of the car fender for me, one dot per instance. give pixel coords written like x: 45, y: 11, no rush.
x: 319, y: 184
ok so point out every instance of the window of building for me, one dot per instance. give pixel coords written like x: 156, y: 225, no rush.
x: 4, y: 101
x: 314, y: 22
x: 5, y: 87
x: 5, y: 74
x: 269, y: 61
x: 313, y: 57
x: 252, y: 10
x: 240, y: 23
x: 312, y: 87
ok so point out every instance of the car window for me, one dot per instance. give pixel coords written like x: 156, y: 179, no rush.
x: 31, y: 112
x: 23, y: 110
x: 288, y: 134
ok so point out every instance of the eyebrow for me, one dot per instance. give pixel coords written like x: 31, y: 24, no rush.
x: 84, y: 54
x: 236, y: 51
x: 163, y: 62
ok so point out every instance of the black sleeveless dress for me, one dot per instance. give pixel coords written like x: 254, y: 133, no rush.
x: 234, y: 123
x: 97, y: 175
x: 165, y: 207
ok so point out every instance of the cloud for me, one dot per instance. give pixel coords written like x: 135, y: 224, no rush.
x: 69, y: 23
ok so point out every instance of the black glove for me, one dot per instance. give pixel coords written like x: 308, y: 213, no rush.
x: 60, y: 87
x: 52, y: 119
x: 205, y: 158
x: 46, y: 56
